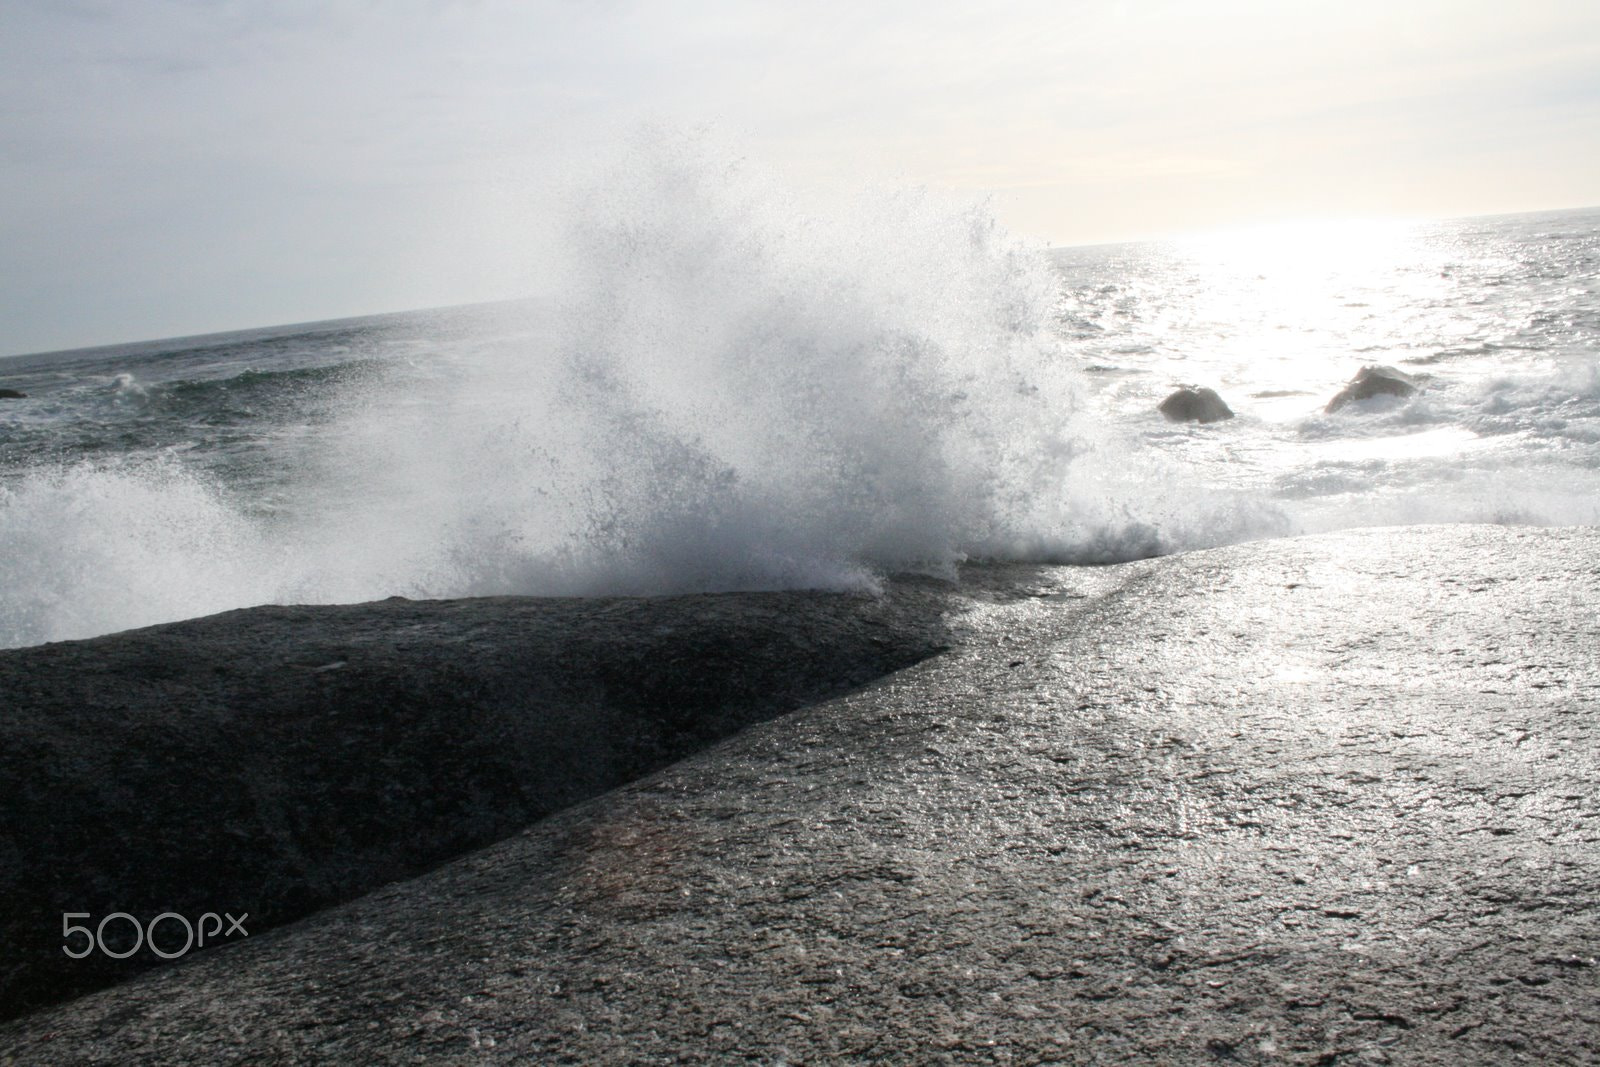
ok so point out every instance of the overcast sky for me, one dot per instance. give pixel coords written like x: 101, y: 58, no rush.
x: 181, y: 166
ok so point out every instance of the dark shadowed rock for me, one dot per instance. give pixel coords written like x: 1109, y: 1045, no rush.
x: 1370, y: 381
x: 1316, y: 801
x: 1191, y: 404
x: 12, y: 394
x: 280, y: 759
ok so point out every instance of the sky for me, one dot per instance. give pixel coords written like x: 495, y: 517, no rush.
x: 172, y: 167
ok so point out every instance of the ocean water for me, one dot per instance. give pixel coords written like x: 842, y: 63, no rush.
x: 735, y: 391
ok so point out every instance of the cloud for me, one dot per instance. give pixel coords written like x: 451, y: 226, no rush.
x: 148, y: 145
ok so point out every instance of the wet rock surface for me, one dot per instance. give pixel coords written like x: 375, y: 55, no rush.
x: 1371, y: 381
x: 272, y: 761
x: 1330, y: 800
x: 1191, y: 404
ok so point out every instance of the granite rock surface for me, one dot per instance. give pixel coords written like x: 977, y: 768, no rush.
x: 1327, y: 800
x: 272, y: 761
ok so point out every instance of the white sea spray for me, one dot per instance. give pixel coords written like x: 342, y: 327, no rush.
x: 732, y: 391
x: 742, y: 386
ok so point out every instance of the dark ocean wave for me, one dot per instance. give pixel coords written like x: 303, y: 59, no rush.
x: 123, y: 414
x: 255, y: 385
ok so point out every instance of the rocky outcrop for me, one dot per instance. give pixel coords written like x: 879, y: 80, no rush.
x: 12, y: 394
x: 1370, y: 381
x: 1286, y: 802
x: 277, y: 760
x: 1195, y: 404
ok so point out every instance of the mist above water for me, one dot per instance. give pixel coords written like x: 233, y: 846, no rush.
x: 738, y: 387
x: 736, y: 392
x: 731, y: 390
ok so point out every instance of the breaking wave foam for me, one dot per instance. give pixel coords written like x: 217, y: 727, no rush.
x: 730, y: 392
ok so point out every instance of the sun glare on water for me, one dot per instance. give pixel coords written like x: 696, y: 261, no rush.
x: 1290, y: 308
x: 1311, y: 245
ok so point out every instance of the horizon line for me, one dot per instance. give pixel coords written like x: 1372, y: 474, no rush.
x: 212, y: 336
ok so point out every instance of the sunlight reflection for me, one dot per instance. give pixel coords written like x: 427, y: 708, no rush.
x: 1323, y: 246
x: 1445, y: 441
x: 1291, y: 306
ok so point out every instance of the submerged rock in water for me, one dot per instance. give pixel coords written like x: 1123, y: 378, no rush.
x: 276, y: 760
x: 1192, y: 404
x: 12, y: 394
x: 1373, y: 380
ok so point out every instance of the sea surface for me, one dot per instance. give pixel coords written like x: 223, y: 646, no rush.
x: 730, y: 393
